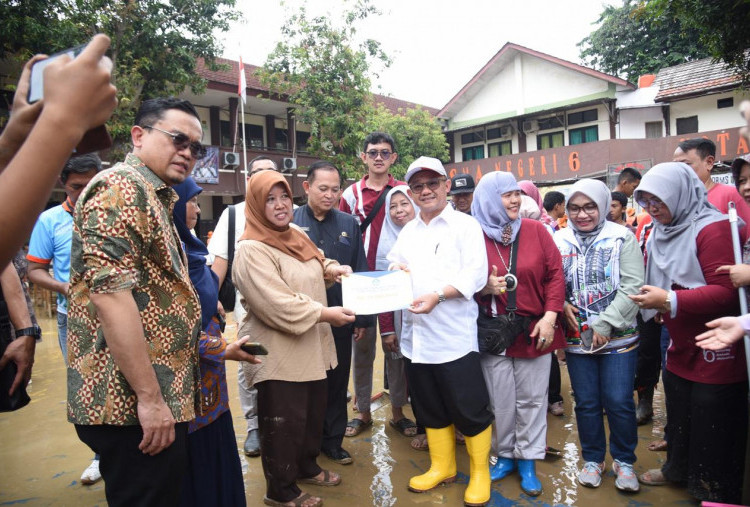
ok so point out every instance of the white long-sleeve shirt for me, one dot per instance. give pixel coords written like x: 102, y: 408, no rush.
x: 447, y: 251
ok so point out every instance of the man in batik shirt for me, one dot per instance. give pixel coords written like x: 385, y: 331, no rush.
x: 133, y: 316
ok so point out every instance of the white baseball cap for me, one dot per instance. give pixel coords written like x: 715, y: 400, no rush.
x: 425, y: 163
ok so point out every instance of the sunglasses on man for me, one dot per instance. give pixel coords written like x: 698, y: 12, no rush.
x: 181, y: 141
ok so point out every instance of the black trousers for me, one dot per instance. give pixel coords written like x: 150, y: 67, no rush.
x: 451, y: 393
x: 290, y: 419
x: 555, y: 382
x: 649, y: 354
x: 131, y: 477
x: 707, y: 426
x: 334, y: 425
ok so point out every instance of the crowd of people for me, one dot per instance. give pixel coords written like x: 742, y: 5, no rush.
x: 502, y: 281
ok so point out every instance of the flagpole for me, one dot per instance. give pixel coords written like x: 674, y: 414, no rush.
x: 244, y: 148
x: 242, y: 92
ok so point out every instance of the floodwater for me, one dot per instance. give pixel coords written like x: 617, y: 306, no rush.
x: 41, y: 458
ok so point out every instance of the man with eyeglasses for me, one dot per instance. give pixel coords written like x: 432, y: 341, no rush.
x: 133, y: 315
x: 365, y: 201
x: 218, y: 247
x: 444, y: 251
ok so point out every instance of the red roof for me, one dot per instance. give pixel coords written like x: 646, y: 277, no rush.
x: 695, y: 78
x: 509, y: 46
x: 229, y: 77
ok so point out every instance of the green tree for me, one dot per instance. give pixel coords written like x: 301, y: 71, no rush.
x: 415, y: 131
x: 719, y: 25
x: 154, y: 42
x: 321, y: 67
x: 631, y: 40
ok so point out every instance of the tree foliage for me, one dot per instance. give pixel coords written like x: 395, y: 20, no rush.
x: 634, y: 39
x: 154, y: 42
x: 321, y: 67
x: 719, y: 25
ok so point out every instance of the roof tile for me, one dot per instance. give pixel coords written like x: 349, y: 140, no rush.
x: 253, y: 83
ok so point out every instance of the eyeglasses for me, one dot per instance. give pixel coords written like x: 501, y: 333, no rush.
x: 433, y: 185
x: 589, y: 209
x: 648, y: 203
x: 384, y: 154
x: 181, y: 141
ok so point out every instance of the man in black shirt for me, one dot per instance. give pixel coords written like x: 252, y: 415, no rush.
x: 339, y: 236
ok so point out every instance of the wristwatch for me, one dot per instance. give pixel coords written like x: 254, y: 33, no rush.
x: 441, y: 296
x: 34, y: 331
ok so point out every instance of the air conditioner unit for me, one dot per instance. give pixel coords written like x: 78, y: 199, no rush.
x: 288, y: 165
x: 506, y: 132
x: 530, y: 126
x: 231, y: 159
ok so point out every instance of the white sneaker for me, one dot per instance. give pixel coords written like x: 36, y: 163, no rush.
x: 626, y: 479
x: 591, y: 474
x: 91, y: 474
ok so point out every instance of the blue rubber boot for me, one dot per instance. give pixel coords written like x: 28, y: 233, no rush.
x: 502, y: 468
x: 530, y: 484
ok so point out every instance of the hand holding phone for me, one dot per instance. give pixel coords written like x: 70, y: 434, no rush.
x: 77, y: 92
x: 254, y: 348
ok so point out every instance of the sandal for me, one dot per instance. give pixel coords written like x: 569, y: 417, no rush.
x: 356, y: 426
x: 403, y: 426
x: 329, y: 479
x: 419, y: 443
x: 658, y: 445
x: 653, y: 477
x: 297, y: 502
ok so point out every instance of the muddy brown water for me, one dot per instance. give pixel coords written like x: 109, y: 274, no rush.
x: 41, y: 458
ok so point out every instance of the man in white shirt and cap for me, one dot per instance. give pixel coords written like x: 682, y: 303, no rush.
x: 443, y: 249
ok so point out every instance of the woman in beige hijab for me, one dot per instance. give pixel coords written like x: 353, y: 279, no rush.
x: 282, y: 278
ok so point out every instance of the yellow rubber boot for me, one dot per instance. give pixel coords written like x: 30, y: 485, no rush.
x: 442, y: 443
x: 478, y: 447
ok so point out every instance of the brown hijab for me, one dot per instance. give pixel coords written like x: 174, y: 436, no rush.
x: 257, y: 227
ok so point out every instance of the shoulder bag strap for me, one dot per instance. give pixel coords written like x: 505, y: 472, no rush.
x: 374, y: 211
x: 510, y: 307
x: 230, y: 240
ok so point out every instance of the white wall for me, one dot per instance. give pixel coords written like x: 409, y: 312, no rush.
x: 709, y: 117
x: 633, y: 122
x: 545, y: 83
x: 528, y: 82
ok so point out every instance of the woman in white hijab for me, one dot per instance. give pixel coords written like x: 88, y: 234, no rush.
x: 603, y: 265
x: 396, y: 326
x: 706, y: 391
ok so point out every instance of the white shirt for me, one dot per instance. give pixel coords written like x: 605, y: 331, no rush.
x: 218, y: 246
x: 447, y: 251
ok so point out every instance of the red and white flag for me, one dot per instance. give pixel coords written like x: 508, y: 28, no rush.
x: 242, y: 86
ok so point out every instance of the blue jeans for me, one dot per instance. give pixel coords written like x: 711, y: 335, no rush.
x: 62, y: 334
x: 605, y: 382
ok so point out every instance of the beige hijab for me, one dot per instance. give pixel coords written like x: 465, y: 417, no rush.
x: 257, y: 227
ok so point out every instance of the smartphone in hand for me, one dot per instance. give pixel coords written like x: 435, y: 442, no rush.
x: 254, y: 348
x: 95, y: 139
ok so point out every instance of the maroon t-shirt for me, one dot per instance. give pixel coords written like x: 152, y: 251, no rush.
x: 541, y: 284
x: 695, y: 307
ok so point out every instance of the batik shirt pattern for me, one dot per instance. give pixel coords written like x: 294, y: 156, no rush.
x: 124, y: 239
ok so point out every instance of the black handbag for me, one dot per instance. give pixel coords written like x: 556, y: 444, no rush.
x: 495, y: 334
x: 227, y: 294
x: 20, y: 397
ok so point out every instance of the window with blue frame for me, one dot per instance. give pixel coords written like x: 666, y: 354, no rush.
x: 472, y: 153
x: 583, y: 135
